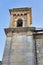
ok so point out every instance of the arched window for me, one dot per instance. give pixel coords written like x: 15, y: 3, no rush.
x: 19, y: 23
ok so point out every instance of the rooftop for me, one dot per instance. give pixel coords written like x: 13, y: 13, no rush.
x: 20, y: 9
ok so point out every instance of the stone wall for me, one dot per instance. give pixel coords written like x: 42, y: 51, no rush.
x: 19, y: 49
x: 39, y: 45
x: 22, y: 48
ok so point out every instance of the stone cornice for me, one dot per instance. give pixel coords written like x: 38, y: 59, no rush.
x: 19, y: 29
x: 23, y: 29
x: 19, y: 9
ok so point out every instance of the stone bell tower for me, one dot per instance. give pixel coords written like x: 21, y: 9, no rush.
x: 19, y: 48
x: 20, y: 17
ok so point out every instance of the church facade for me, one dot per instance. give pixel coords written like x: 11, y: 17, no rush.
x: 24, y: 44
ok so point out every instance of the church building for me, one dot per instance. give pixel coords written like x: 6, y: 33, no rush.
x: 24, y: 44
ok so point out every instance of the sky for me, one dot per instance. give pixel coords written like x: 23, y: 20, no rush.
x: 5, y: 5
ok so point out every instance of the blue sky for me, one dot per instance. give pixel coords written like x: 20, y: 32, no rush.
x: 5, y: 5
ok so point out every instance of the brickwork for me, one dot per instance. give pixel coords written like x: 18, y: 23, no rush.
x: 20, y: 13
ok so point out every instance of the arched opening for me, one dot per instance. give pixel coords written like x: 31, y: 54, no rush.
x: 19, y: 23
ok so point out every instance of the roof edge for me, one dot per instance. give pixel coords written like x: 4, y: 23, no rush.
x: 20, y: 9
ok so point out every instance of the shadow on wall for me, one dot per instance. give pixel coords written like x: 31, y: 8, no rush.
x: 0, y: 62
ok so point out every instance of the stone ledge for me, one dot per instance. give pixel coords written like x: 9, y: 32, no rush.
x: 19, y: 29
x: 23, y: 29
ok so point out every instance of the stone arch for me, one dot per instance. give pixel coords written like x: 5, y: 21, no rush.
x: 19, y: 18
x: 16, y: 20
x: 19, y: 22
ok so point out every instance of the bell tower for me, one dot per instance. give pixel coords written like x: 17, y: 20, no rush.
x: 19, y: 47
x: 20, y: 17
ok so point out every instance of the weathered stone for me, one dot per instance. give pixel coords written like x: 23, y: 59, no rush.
x: 24, y: 44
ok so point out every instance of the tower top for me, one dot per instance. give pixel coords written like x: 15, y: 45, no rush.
x: 20, y: 17
x: 19, y: 9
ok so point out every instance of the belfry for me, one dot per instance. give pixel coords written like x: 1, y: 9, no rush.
x: 24, y: 44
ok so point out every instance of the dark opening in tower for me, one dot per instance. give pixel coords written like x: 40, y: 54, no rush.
x: 19, y: 23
